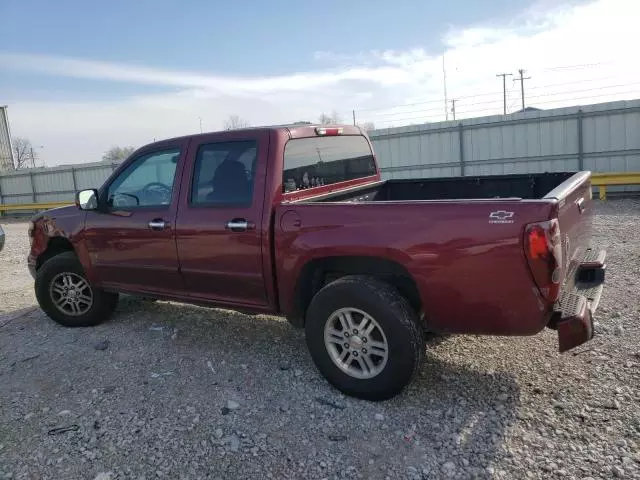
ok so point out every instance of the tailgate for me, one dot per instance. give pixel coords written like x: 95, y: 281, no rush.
x: 583, y: 265
x: 575, y: 211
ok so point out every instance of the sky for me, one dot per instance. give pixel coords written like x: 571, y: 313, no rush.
x: 80, y: 77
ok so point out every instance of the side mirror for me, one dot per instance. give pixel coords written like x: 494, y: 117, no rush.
x: 87, y: 199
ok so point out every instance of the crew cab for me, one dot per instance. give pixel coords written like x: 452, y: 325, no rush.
x: 296, y: 221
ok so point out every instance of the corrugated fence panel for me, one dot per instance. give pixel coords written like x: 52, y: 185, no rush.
x: 612, y: 142
x: 92, y: 178
x: 537, y: 141
x: 16, y: 199
x: 16, y: 185
x: 56, y: 197
x: 411, y: 147
x: 529, y: 142
x: 51, y: 184
x: 521, y: 141
x: 53, y: 181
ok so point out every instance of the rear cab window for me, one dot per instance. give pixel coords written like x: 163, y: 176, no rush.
x: 325, y: 160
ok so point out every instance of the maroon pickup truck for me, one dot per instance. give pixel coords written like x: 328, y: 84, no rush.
x: 296, y: 221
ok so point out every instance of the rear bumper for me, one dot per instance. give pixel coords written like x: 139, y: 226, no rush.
x: 574, y: 312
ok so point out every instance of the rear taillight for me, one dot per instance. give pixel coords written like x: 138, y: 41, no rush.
x: 544, y: 254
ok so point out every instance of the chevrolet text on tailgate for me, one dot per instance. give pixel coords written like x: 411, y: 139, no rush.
x: 296, y: 221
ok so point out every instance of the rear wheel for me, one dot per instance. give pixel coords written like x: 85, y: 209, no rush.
x: 66, y: 296
x: 364, y: 337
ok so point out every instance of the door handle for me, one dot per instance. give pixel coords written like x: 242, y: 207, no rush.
x: 239, y: 225
x: 157, y: 224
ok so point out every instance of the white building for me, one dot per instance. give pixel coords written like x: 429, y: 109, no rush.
x: 6, y: 152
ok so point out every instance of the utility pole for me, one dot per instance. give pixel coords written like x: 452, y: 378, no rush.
x: 504, y: 89
x: 522, y: 79
x: 453, y: 108
x: 354, y: 117
x: 200, y: 118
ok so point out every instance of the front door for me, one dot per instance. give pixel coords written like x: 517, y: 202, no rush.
x: 220, y: 231
x: 131, y: 239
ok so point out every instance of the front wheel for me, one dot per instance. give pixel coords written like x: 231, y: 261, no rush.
x: 364, y: 337
x: 65, y: 295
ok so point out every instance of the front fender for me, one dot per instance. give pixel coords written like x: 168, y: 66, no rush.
x: 55, y: 231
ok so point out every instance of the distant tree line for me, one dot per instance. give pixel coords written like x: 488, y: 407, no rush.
x: 117, y: 154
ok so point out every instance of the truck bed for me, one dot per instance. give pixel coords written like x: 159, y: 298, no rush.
x: 459, y: 238
x: 521, y: 186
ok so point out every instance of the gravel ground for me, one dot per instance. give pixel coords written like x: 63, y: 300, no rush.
x: 173, y: 391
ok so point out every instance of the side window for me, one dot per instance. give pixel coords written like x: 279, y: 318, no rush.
x: 146, y: 182
x: 223, y: 173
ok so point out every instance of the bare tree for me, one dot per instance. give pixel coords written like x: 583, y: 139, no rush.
x: 23, y: 154
x: 117, y: 154
x: 234, y: 122
x: 330, y: 119
x: 367, y: 126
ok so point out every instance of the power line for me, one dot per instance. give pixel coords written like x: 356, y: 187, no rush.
x: 489, y: 103
x: 424, y: 117
x: 574, y: 67
x: 504, y: 89
x: 545, y: 97
x: 484, y: 94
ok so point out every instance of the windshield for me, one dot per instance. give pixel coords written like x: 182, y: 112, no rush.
x: 316, y: 161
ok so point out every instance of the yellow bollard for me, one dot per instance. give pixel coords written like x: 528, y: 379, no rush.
x: 603, y: 192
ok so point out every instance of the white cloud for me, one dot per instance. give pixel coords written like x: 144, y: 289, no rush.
x: 90, y: 69
x: 386, y: 87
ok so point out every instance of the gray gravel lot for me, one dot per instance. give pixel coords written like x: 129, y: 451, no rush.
x: 174, y: 391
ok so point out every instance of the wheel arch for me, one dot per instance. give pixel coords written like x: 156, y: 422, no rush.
x: 318, y: 272
x: 55, y: 246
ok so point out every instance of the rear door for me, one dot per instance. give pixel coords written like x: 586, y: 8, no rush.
x: 219, y: 227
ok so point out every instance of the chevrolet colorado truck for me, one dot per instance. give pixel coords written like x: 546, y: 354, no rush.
x: 296, y: 221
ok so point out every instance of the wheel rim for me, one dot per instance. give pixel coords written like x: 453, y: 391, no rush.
x: 356, y: 343
x: 71, y: 294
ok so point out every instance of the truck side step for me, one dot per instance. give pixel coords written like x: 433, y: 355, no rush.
x: 593, y: 258
x: 592, y: 293
x: 591, y: 269
x: 572, y: 305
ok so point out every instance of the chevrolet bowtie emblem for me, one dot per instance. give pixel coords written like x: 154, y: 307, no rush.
x: 501, y: 216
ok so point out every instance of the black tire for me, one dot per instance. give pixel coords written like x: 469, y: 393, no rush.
x: 397, y: 320
x: 104, y: 303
